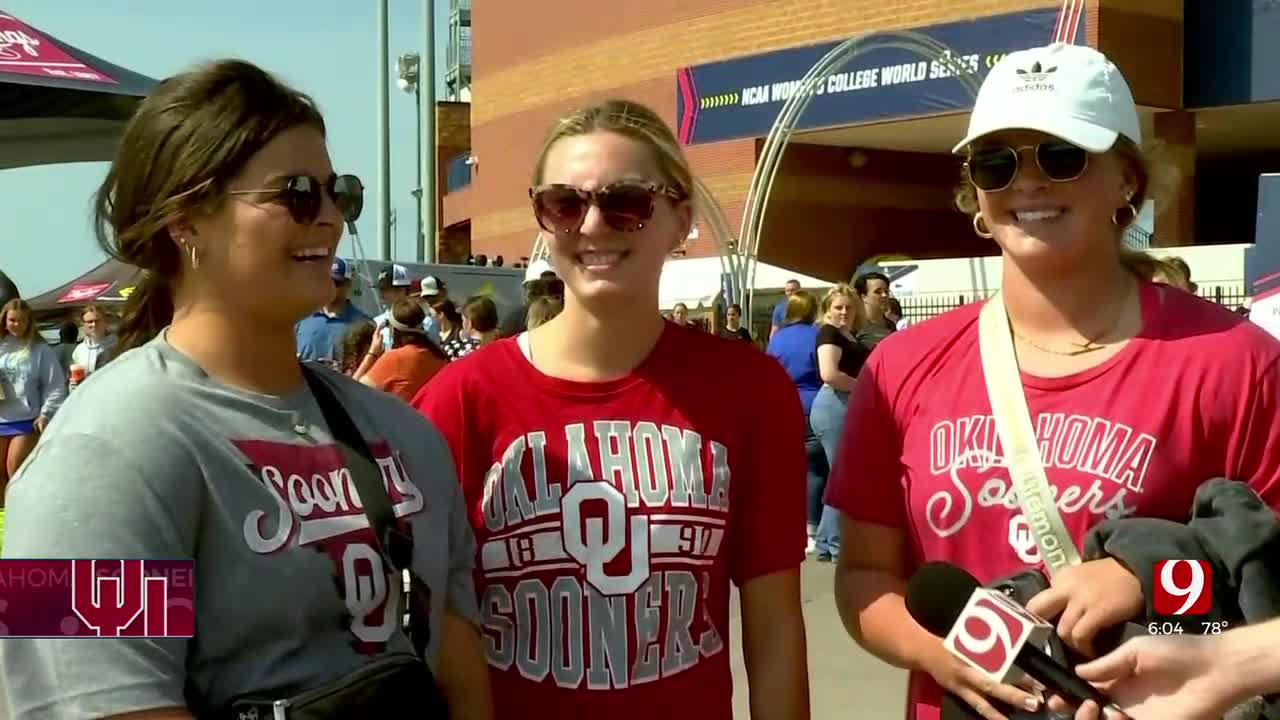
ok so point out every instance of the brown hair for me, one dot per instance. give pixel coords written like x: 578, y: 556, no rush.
x: 19, y: 305
x: 856, y: 304
x: 181, y: 148
x: 1154, y: 173
x: 449, y: 310
x: 409, y: 312
x: 355, y: 343
x: 632, y: 120
x: 801, y: 308
x: 95, y: 309
x: 542, y: 310
x: 482, y: 313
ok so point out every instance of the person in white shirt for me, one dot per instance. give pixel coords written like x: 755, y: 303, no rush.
x: 95, y: 349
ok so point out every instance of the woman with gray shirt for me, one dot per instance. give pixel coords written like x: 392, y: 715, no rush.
x: 32, y: 387
x: 202, y: 439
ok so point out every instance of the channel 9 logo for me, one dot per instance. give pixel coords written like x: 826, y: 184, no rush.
x: 97, y: 598
x: 1182, y: 587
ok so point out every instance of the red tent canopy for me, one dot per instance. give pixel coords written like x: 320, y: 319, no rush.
x: 59, y: 103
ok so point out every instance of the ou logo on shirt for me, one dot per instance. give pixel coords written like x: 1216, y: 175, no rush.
x: 1022, y: 541
x: 594, y: 541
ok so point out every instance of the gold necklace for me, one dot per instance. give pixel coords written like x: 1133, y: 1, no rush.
x: 1081, y: 348
x: 1084, y: 348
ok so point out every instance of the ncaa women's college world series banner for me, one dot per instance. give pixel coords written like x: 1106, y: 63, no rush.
x: 742, y: 97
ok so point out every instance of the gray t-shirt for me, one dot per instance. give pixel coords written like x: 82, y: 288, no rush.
x: 155, y: 459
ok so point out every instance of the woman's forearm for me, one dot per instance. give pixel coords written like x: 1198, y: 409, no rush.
x: 874, y: 612
x: 839, y: 380
x: 1251, y: 658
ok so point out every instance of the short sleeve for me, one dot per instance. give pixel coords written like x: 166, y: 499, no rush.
x: 1256, y: 455
x: 117, y: 509
x: 461, y: 599
x: 387, y: 369
x: 779, y: 314
x: 441, y: 402
x: 769, y: 503
x: 829, y: 335
x: 866, y: 482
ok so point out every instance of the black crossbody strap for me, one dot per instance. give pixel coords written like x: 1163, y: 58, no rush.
x: 395, y: 545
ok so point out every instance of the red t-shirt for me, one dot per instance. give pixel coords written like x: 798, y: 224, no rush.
x: 1194, y: 396
x: 610, y: 518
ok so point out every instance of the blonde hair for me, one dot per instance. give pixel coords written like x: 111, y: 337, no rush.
x: 18, y: 305
x: 1168, y: 270
x: 542, y: 310
x: 631, y: 120
x: 855, y: 302
x: 801, y: 308
x: 1155, y: 174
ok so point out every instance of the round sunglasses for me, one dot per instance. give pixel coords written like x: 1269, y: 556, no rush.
x: 624, y: 206
x: 992, y: 169
x: 301, y: 195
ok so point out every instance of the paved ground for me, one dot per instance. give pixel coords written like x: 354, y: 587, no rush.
x: 844, y: 681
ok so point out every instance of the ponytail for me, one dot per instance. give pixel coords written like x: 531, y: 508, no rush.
x: 148, y: 310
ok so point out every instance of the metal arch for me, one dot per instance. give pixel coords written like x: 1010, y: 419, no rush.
x: 780, y: 133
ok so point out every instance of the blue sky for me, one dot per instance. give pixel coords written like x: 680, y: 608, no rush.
x: 323, y: 47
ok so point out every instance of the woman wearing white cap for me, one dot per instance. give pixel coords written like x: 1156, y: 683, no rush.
x: 1054, y: 174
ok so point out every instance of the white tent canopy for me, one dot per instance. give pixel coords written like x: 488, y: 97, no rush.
x: 696, y: 282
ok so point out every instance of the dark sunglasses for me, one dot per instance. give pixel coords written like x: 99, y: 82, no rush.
x: 301, y: 195
x: 625, y: 206
x: 993, y: 169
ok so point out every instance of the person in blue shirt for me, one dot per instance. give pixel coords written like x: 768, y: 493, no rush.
x: 780, y: 310
x: 795, y: 345
x: 320, y: 334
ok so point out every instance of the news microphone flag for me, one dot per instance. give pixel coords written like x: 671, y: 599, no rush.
x: 65, y: 598
x: 991, y: 631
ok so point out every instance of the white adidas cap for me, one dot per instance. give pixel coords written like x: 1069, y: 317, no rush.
x: 1072, y: 92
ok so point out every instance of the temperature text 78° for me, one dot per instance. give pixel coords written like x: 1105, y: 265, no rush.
x: 1177, y: 627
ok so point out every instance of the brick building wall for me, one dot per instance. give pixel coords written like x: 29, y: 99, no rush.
x: 530, y: 66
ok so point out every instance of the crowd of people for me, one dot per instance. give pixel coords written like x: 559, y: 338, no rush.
x: 581, y: 482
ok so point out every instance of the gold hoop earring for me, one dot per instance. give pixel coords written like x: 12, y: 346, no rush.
x: 1133, y: 215
x: 980, y: 228
x: 193, y: 252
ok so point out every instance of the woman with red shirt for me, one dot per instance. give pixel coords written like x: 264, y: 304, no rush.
x: 617, y: 478
x: 1138, y: 392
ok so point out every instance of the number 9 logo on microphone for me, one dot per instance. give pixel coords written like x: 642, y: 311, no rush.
x: 989, y: 635
x: 1182, y: 587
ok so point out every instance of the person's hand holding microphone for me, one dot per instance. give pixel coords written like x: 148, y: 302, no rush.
x: 1182, y: 677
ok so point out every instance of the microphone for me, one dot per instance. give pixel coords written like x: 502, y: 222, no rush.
x: 989, y: 631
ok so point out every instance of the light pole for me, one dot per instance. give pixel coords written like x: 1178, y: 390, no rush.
x: 384, y: 136
x: 407, y: 67
x: 427, y: 131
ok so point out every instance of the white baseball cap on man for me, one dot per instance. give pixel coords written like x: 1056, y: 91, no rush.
x: 1071, y: 92
x: 536, y: 268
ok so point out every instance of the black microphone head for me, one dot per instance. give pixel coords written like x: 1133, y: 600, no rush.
x: 936, y: 595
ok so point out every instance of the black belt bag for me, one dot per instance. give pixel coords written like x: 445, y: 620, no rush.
x: 387, y: 684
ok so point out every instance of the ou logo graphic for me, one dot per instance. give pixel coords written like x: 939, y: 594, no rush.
x: 595, y: 541
x: 110, y: 605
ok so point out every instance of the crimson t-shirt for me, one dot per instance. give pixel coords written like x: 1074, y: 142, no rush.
x: 1194, y: 396
x: 610, y: 518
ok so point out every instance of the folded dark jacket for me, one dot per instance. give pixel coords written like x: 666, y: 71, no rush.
x: 1236, y: 533
x: 1229, y: 527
